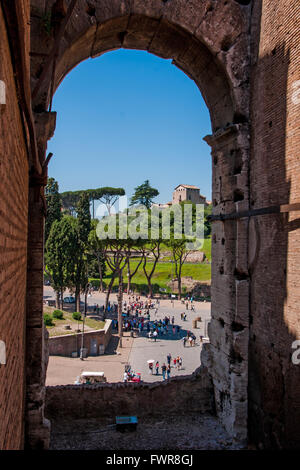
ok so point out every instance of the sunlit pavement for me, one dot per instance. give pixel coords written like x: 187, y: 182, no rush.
x: 136, y: 351
x: 144, y: 349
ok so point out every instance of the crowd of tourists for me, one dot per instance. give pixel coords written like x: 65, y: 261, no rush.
x: 175, y: 362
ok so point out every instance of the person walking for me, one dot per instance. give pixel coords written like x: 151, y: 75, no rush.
x: 169, y: 357
x: 164, y: 369
x: 180, y: 363
x: 150, y: 367
x: 184, y: 341
x: 168, y: 371
x: 155, y: 335
x: 157, y: 367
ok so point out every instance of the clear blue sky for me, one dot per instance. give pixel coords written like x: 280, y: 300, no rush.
x: 128, y: 116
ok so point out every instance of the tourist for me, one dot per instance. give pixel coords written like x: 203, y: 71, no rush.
x: 157, y: 367
x: 174, y: 362
x: 184, y: 341
x: 125, y: 377
x: 177, y: 362
x: 150, y: 367
x: 164, y: 369
x: 169, y: 357
x: 155, y: 335
x: 168, y: 371
x: 180, y: 363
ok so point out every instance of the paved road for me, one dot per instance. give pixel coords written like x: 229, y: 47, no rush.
x: 144, y: 348
x: 137, y: 351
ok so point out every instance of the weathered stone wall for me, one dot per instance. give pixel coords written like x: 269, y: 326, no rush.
x: 13, y: 239
x: 67, y: 344
x: 178, y: 395
x: 274, y: 381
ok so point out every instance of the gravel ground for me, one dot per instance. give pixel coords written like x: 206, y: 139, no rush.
x: 170, y: 433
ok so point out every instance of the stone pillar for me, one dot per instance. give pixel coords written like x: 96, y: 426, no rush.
x: 226, y: 356
x: 37, y: 428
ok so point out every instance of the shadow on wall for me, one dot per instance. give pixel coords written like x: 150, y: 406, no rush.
x: 274, y: 381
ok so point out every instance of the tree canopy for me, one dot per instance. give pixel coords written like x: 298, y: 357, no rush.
x: 54, y: 205
x: 144, y: 195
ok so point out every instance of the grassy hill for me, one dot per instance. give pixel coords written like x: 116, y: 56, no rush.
x: 165, y: 270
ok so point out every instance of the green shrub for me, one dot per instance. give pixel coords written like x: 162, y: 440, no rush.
x: 48, y: 320
x: 58, y: 314
x: 76, y: 316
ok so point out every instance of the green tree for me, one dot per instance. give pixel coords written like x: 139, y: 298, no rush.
x: 69, y: 201
x: 59, y: 256
x: 179, y: 254
x: 84, y: 218
x: 81, y: 228
x: 144, y: 195
x: 97, y: 252
x: 54, y: 205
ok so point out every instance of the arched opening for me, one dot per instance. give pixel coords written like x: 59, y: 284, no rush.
x: 148, y: 125
x: 211, y: 63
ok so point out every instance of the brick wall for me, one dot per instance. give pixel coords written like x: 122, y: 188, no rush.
x: 67, y: 344
x: 274, y: 382
x: 191, y: 393
x: 13, y: 249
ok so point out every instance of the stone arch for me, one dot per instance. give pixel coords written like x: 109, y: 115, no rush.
x: 209, y: 41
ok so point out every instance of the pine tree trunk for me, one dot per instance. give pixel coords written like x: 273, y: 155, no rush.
x: 120, y: 308
x: 100, y: 274
x: 77, y: 299
x: 62, y: 298
x: 57, y: 300
x: 128, y: 278
x: 109, y: 290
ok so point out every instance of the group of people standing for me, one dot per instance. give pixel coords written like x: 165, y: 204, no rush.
x: 165, y: 368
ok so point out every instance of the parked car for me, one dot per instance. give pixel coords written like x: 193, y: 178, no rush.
x: 90, y: 378
x: 69, y: 300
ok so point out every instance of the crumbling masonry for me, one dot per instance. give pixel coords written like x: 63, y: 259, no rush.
x: 244, y: 57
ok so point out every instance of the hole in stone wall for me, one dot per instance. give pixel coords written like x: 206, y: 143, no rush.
x: 234, y: 356
x: 222, y: 323
x: 236, y: 327
x: 223, y: 241
x: 238, y: 162
x: 215, y: 160
x: 226, y: 44
x: 240, y: 276
x: 239, y: 118
x: 221, y: 270
x: 122, y: 36
x: 91, y: 10
x: 243, y: 2
x: 214, y: 239
x: 238, y: 195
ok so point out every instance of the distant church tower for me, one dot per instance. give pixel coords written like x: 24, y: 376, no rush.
x: 187, y: 192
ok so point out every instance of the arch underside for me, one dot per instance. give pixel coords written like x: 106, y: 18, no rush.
x: 209, y: 41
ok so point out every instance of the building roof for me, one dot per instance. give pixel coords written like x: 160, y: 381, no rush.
x: 189, y: 186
